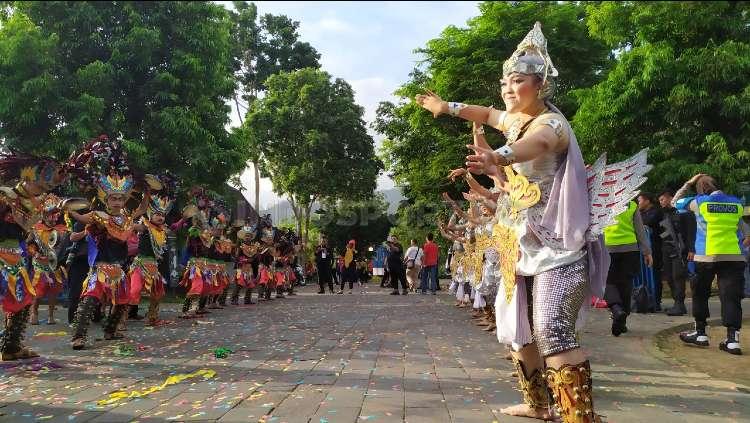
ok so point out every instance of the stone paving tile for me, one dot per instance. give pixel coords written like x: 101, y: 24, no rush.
x: 244, y: 414
x: 363, y: 366
x: 336, y: 415
x: 127, y: 412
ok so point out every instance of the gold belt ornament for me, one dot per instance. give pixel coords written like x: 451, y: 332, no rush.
x: 520, y: 195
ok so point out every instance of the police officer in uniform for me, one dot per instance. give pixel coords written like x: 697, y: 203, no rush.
x: 678, y: 240
x: 718, y: 254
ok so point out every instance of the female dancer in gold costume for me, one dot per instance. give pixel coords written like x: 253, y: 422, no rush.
x: 549, y: 224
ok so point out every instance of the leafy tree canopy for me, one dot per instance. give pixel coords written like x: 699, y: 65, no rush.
x: 680, y: 86
x: 157, y: 74
x: 312, y: 139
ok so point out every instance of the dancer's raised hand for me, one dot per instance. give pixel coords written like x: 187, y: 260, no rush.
x: 432, y: 102
x: 456, y: 173
x: 482, y: 161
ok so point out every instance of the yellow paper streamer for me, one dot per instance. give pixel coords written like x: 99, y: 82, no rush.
x: 171, y: 380
x: 61, y: 333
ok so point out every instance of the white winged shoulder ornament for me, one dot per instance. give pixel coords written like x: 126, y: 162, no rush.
x: 611, y: 187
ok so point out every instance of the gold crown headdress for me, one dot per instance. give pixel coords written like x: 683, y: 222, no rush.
x: 51, y: 204
x: 160, y: 204
x: 531, y: 58
x: 107, y: 185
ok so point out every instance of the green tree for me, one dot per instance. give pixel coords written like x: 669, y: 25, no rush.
x: 680, y: 86
x: 465, y: 64
x: 365, y: 221
x: 313, y: 141
x: 263, y: 47
x: 157, y: 74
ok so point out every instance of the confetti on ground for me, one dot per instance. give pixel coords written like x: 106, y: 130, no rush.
x: 35, y: 365
x: 61, y: 333
x: 171, y: 380
x: 124, y: 351
x: 222, y: 352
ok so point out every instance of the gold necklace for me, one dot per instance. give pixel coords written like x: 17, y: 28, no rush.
x: 518, y: 125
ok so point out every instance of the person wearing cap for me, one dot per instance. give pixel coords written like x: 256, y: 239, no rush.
x: 719, y: 242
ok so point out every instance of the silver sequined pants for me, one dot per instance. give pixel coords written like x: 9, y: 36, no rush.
x: 557, y: 298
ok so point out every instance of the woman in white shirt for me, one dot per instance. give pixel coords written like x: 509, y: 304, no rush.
x: 413, y: 263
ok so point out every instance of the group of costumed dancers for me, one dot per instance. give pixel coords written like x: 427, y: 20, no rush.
x: 529, y: 253
x: 38, y: 224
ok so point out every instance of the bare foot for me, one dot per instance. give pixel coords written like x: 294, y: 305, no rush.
x: 525, y: 410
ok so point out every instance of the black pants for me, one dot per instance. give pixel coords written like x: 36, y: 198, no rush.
x: 79, y: 268
x: 657, y: 271
x: 619, y: 287
x: 674, y: 272
x: 730, y: 275
x: 396, y: 275
x: 385, y: 279
x: 324, y: 278
x: 349, y: 275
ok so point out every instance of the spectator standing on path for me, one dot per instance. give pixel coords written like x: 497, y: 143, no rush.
x: 678, y: 240
x: 78, y: 268
x: 429, y: 269
x: 323, y: 261
x: 396, y: 265
x: 623, y: 239
x: 651, y: 215
x: 718, y: 253
x: 349, y: 270
x: 338, y: 267
x: 380, y: 264
x: 413, y: 262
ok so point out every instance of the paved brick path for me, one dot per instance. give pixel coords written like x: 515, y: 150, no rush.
x: 343, y: 358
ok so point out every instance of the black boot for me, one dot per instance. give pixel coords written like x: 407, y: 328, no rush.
x: 618, y: 320
x: 696, y: 337
x: 248, y: 299
x: 84, y: 316
x: 732, y: 343
x: 223, y: 297
x: 236, y: 295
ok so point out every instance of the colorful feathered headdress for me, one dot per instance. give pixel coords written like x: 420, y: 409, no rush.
x: 45, y: 172
x: 102, y: 164
x: 164, y: 201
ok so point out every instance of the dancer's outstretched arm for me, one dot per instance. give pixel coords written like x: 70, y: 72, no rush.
x: 437, y: 107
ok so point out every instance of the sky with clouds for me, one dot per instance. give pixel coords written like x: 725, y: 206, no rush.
x: 369, y: 44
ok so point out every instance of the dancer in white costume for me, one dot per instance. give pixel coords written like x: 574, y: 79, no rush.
x: 549, y: 228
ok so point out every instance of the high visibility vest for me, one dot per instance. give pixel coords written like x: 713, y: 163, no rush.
x: 622, y: 232
x: 718, y: 217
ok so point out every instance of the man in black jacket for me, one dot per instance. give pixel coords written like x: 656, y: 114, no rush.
x: 678, y: 240
x: 651, y: 215
x: 323, y: 261
x: 396, y: 265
